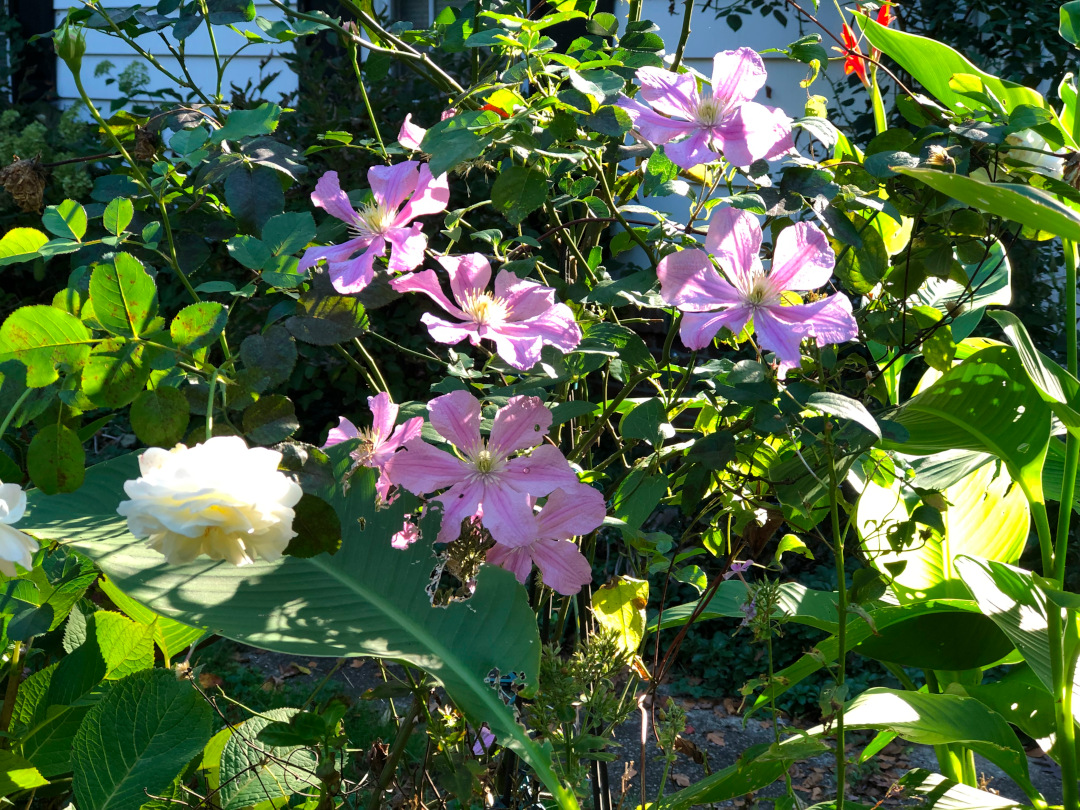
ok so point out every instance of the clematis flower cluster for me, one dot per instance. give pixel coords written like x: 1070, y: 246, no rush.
x: 496, y: 481
x: 379, y: 442
x: 742, y: 291
x: 16, y: 547
x: 725, y: 119
x: 220, y: 498
x: 519, y: 316
x: 401, y: 193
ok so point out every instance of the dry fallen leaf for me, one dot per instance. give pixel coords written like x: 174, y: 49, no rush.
x: 681, y: 779
x: 715, y: 737
x: 208, y: 680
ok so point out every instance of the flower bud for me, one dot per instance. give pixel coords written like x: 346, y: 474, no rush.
x: 70, y: 46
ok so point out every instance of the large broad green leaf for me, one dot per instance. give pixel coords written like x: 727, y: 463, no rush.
x: 44, y: 737
x: 368, y: 599
x: 987, y: 516
x: 794, y: 601
x: 1054, y: 474
x: 934, y: 64
x: 21, y: 245
x: 124, y: 296
x: 939, y: 793
x: 16, y: 774
x: 986, y: 404
x: 170, y: 635
x: 941, y: 720
x: 1012, y: 598
x: 1058, y: 388
x: 901, y: 632
x: 252, y: 772
x: 989, y: 282
x: 43, y: 337
x: 137, y: 740
x: 1024, y: 204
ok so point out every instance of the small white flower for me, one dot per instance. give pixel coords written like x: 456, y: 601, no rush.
x: 220, y: 498
x: 15, y: 546
x: 1044, y: 164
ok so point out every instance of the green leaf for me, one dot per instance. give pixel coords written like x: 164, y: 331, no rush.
x: 317, y: 527
x: 938, y: 793
x: 985, y: 404
x: 1069, y: 26
x: 118, y: 214
x: 56, y: 461
x: 253, y: 772
x: 46, y: 736
x: 125, y: 645
x: 619, y: 606
x: 18, y: 774
x: 940, y: 720
x: 67, y: 220
x: 116, y: 372
x: 137, y: 739
x: 648, y: 422
x: 272, y: 354
x: 845, y: 408
x: 1011, y: 597
x: 270, y: 420
x: 160, y: 417
x: 42, y: 338
x: 609, y: 120
x: 21, y: 245
x: 862, y: 266
x: 171, y: 636
x: 254, y: 195
x: 989, y: 281
x: 933, y: 64
x: 1020, y: 697
x: 518, y: 191
x: 285, y: 234
x: 249, y: 251
x: 986, y: 516
x: 198, y: 325
x: 382, y: 608
x: 247, y: 123
x: 1024, y: 204
x: 124, y: 296
x: 790, y: 542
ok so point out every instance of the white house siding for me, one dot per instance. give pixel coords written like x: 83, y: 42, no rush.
x: 199, y: 58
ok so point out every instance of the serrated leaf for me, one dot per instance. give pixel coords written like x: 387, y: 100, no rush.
x: 247, y: 123
x: 18, y: 774
x: 249, y: 776
x: 160, y: 417
x: 198, y: 325
x: 518, y: 191
x: 124, y: 296
x: 172, y: 637
x: 270, y: 420
x: 44, y: 337
x: 117, y: 216
x: 21, y: 245
x: 125, y: 645
x: 66, y: 220
x: 619, y: 606
x: 56, y: 461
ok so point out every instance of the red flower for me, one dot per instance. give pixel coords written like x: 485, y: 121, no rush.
x: 854, y: 61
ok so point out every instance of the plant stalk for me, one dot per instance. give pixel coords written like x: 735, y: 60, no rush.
x: 841, y: 631
x: 386, y: 776
x: 14, y: 671
x: 1072, y: 444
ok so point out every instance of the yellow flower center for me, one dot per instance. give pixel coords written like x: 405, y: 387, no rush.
x: 484, y: 308
x: 373, y: 219
x: 485, y: 461
x: 709, y: 111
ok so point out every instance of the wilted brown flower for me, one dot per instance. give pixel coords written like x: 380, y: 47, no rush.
x: 146, y: 144
x: 25, y: 181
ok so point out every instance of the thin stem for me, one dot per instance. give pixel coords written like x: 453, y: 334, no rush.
x: 358, y: 367
x: 380, y: 379
x: 14, y: 673
x: 210, y: 405
x: 367, y: 102
x: 841, y: 631
x: 614, y: 206
x: 396, y: 751
x: 688, y: 11
x: 14, y: 409
x: 1072, y: 445
x: 598, y: 425
x: 213, y: 46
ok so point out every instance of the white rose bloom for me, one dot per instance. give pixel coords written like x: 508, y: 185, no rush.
x: 1048, y: 165
x: 220, y: 498
x: 15, y: 546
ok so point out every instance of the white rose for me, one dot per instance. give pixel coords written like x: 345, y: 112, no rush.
x: 220, y: 498
x: 1048, y: 165
x: 15, y: 546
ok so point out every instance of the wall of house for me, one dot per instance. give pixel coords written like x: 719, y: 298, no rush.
x: 254, y: 63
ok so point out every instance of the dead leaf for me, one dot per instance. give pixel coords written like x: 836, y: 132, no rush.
x: 715, y: 737
x: 681, y: 779
x: 208, y: 680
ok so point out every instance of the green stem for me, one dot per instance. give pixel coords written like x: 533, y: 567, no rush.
x: 210, y: 405
x: 389, y: 768
x: 841, y: 631
x: 634, y: 14
x: 213, y: 46
x: 598, y: 425
x: 688, y: 11
x: 381, y: 380
x: 358, y: 367
x: 367, y: 102
x: 1072, y: 444
x: 14, y: 409
x: 14, y: 672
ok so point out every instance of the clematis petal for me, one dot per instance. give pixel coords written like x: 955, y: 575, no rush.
x: 329, y: 197
x: 427, y: 282
x: 556, y: 327
x: 352, y: 276
x: 737, y: 75
x: 345, y: 431
x: 384, y: 414
x: 468, y: 274
x: 407, y: 247
x: 571, y: 512
x: 507, y: 515
x: 334, y: 254
x: 456, y: 417
x: 410, y: 135
x: 651, y: 125
x: 393, y: 185
x: 449, y: 333
x: 562, y: 565
x: 521, y: 423
x: 699, y: 328
x: 668, y: 92
x: 689, y: 281
x: 802, y: 258
x: 524, y: 299
x: 779, y: 336
x: 405, y: 432
x: 828, y: 321
x: 753, y: 132
x: 520, y: 352
x: 421, y: 468
x: 518, y: 561
x: 539, y: 473
x: 734, y: 238
x: 694, y: 151
x: 431, y: 197
x: 460, y: 502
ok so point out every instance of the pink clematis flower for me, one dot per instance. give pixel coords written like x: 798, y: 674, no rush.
x: 725, y: 120
x: 410, y: 135
x: 379, y: 443
x: 384, y: 220
x: 490, y: 480
x: 567, y: 513
x: 519, y: 316
x: 802, y: 260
